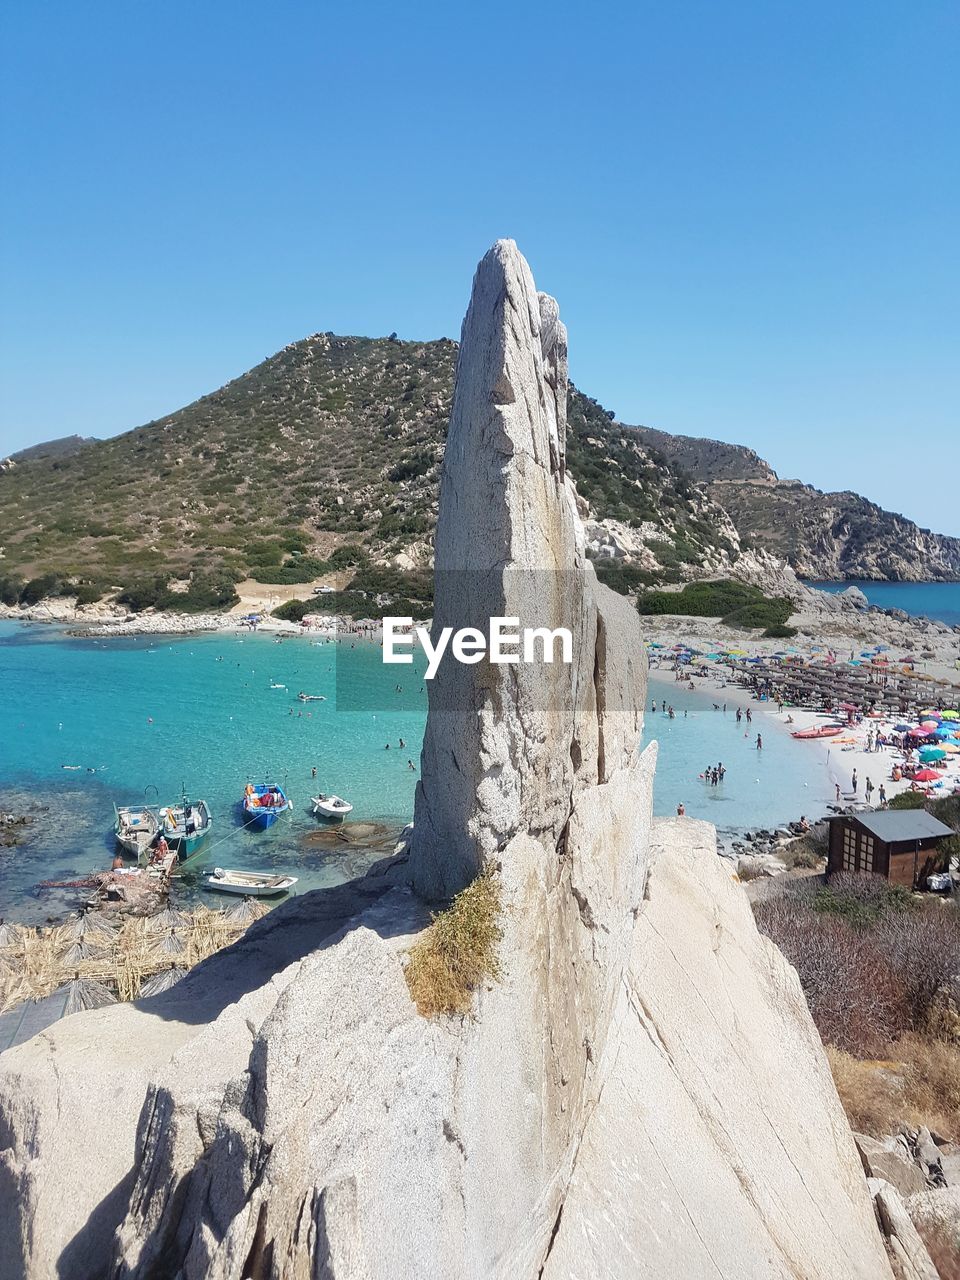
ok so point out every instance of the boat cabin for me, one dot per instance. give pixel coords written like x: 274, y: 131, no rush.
x: 902, y: 845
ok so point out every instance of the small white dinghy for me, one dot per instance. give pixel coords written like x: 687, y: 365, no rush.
x: 331, y: 807
x: 252, y: 884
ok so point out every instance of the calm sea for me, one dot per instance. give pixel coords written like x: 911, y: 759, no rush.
x: 938, y: 600
x: 145, y: 717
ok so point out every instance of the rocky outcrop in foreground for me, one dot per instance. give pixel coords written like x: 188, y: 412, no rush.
x: 642, y: 1090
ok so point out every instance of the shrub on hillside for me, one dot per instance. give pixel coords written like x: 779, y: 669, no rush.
x: 629, y: 578
x: 10, y: 589
x: 205, y: 593
x: 38, y: 589
x: 291, y: 572
x: 737, y: 604
x: 144, y: 593
x: 872, y: 962
x: 766, y: 613
x: 917, y: 1082
x: 713, y: 599
x: 347, y: 555
x: 907, y: 800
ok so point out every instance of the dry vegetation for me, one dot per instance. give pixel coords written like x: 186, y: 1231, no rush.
x: 918, y: 1085
x: 880, y: 971
x: 119, y: 954
x: 458, y: 951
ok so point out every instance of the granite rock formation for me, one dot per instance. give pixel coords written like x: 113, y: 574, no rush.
x: 642, y: 1092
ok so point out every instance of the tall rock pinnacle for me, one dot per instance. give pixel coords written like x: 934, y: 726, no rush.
x: 505, y: 745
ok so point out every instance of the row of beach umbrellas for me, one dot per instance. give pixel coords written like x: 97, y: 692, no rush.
x: 95, y: 959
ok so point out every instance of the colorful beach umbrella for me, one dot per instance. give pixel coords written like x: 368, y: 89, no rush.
x: 926, y: 775
x: 920, y: 733
x: 932, y: 753
x: 951, y: 715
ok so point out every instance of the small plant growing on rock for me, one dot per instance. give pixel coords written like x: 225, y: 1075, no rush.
x: 458, y: 951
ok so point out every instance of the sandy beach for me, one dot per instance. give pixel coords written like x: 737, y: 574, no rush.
x: 842, y: 756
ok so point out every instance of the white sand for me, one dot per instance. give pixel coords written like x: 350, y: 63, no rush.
x: 841, y: 755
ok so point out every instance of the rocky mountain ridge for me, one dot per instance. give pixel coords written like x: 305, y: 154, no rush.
x: 823, y: 536
x: 338, y: 441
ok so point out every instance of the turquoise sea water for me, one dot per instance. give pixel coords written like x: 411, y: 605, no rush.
x: 160, y: 713
x: 761, y: 788
x: 938, y: 600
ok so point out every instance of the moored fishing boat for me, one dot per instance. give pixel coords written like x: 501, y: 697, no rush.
x: 263, y: 803
x: 252, y: 884
x: 136, y: 827
x: 331, y: 806
x: 185, y: 826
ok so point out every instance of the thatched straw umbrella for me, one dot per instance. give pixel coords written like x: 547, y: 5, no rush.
x: 171, y: 945
x: 169, y: 918
x: 9, y: 933
x: 84, y: 949
x: 246, y: 911
x: 86, y: 924
x: 162, y: 981
x: 14, y: 991
x: 84, y: 993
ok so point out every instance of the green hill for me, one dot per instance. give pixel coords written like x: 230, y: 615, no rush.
x: 332, y: 442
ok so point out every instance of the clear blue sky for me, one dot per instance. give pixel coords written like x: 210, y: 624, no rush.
x: 749, y: 211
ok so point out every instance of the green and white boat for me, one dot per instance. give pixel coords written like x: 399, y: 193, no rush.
x: 185, y: 827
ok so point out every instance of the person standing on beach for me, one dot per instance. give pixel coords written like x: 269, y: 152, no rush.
x: 837, y: 786
x: 882, y: 793
x: 868, y: 788
x: 680, y: 810
x: 854, y: 782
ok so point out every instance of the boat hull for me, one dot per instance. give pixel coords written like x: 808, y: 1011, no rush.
x: 249, y: 885
x: 135, y: 829
x: 261, y: 819
x: 330, y: 810
x: 258, y: 815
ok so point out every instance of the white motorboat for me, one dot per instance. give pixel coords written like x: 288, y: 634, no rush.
x: 252, y: 884
x: 136, y: 828
x: 331, y: 807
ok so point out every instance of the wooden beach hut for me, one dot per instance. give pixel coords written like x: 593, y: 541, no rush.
x: 902, y: 845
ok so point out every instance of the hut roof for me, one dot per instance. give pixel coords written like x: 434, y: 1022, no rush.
x: 893, y: 825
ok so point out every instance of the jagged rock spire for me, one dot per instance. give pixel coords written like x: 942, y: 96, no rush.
x: 499, y: 751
